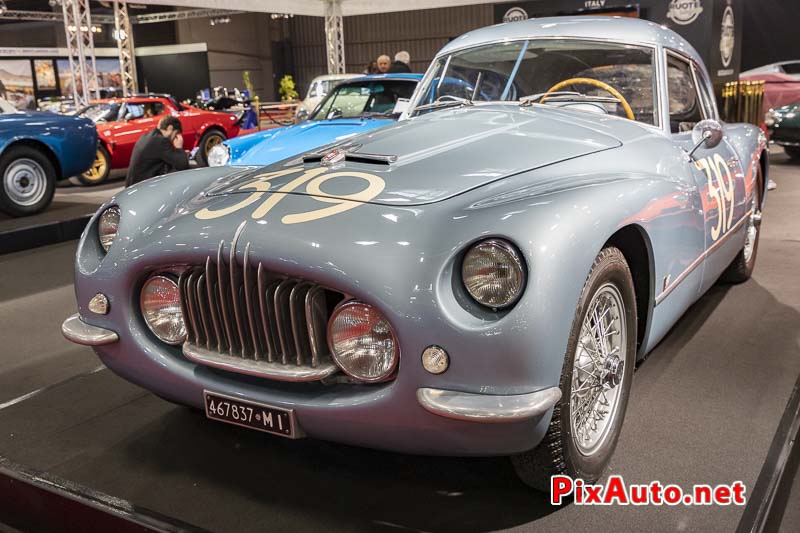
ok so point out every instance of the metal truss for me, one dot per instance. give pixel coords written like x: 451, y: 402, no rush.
x: 124, y: 37
x: 80, y: 50
x: 168, y: 16
x: 184, y: 14
x: 334, y: 36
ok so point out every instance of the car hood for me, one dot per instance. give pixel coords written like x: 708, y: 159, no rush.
x: 268, y: 147
x: 42, y: 117
x: 434, y: 157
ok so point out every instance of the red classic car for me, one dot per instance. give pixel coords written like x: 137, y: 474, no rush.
x: 121, y: 121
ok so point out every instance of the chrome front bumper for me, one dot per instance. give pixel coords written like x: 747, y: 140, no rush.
x: 79, y: 332
x: 488, y: 408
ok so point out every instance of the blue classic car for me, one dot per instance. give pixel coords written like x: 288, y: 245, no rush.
x: 355, y: 106
x: 36, y: 150
x: 479, y: 279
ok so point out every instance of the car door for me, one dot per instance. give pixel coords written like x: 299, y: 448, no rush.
x: 717, y: 171
x: 137, y: 118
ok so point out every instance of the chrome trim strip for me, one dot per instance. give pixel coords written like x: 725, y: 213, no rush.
x: 488, y: 408
x: 248, y: 287
x: 76, y: 330
x: 276, y: 371
x: 672, y: 286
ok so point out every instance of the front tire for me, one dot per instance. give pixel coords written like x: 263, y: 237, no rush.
x: 595, y: 380
x: 28, y: 181
x: 209, y: 140
x: 100, y: 169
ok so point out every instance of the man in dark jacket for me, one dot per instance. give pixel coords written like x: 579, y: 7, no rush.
x: 158, y: 152
x: 402, y: 62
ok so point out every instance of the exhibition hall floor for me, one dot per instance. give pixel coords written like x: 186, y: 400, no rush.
x: 705, y: 408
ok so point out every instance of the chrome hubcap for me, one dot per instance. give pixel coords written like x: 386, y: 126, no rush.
x: 752, y: 232
x: 24, y: 182
x: 598, y: 370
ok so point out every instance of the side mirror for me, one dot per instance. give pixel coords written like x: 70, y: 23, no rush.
x: 706, y: 133
x: 302, y: 114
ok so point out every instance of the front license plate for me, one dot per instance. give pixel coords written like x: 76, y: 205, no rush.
x: 250, y: 414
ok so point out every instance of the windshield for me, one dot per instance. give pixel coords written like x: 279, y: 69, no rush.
x: 364, y: 99
x: 513, y: 70
x: 106, y: 112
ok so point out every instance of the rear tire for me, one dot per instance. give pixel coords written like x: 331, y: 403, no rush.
x: 742, y: 267
x: 793, y: 152
x: 572, y: 446
x: 209, y: 139
x: 100, y: 169
x: 28, y: 181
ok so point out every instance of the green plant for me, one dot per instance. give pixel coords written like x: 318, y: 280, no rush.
x: 247, y: 83
x: 287, y: 89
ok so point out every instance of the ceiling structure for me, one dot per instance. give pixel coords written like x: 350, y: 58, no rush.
x: 315, y: 7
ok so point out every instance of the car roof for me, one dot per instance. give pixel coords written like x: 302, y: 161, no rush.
x: 616, y: 29
x: 329, y: 77
x: 388, y: 76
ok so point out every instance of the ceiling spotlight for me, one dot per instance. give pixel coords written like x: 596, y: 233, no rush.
x: 3, y: 8
x: 275, y: 16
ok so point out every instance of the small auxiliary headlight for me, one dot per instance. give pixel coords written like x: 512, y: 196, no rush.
x: 161, y: 307
x: 108, y: 226
x: 219, y: 155
x: 362, y: 342
x: 493, y: 273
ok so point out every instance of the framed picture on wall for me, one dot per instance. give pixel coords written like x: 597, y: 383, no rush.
x: 16, y: 83
x: 45, y: 74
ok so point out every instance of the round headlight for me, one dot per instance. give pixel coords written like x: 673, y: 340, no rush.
x: 108, y: 226
x: 493, y: 273
x: 161, y: 307
x: 219, y: 155
x: 362, y: 342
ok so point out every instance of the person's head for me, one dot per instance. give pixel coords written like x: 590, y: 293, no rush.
x: 170, y: 127
x: 384, y: 62
x: 403, y: 57
x: 372, y: 68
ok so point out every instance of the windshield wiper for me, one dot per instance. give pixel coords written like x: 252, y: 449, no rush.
x: 446, y: 100
x: 377, y: 114
x: 566, y: 96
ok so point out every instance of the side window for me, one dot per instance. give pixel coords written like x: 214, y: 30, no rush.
x: 134, y: 111
x: 709, y: 110
x: 685, y: 106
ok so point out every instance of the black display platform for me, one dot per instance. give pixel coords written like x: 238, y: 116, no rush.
x: 62, y: 221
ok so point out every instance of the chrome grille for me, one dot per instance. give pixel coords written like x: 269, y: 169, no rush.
x: 250, y: 320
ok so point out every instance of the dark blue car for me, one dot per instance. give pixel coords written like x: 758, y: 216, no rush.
x: 352, y: 107
x: 36, y: 150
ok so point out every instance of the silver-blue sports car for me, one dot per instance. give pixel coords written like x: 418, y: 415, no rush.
x: 478, y: 278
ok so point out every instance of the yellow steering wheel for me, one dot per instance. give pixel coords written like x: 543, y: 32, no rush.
x: 595, y: 83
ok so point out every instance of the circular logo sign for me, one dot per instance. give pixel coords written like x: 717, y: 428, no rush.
x: 684, y: 12
x: 515, y: 14
x: 727, y: 40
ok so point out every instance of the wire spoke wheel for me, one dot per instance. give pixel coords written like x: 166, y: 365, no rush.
x: 751, y: 237
x: 25, y: 182
x: 598, y: 370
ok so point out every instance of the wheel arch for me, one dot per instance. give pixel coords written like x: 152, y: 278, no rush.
x: 46, y: 150
x: 634, y: 243
x: 205, y: 128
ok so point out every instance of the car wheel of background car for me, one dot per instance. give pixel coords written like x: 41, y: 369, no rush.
x: 792, y: 151
x: 100, y: 169
x: 742, y: 267
x: 595, y: 380
x: 209, y: 140
x: 29, y: 181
